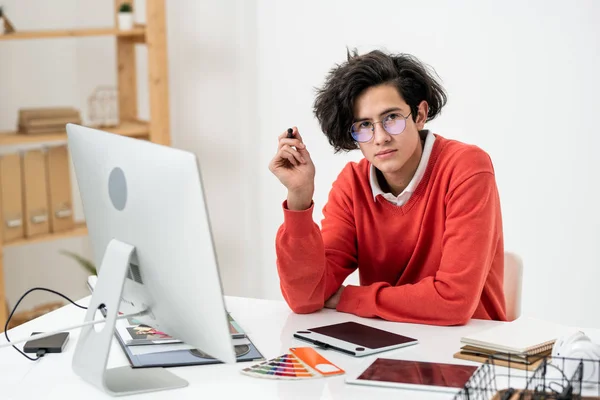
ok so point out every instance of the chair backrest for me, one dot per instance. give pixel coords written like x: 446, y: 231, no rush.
x: 513, y: 283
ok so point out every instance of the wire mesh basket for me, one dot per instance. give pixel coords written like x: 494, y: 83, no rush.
x: 559, y: 378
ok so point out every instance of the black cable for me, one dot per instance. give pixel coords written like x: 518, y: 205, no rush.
x: 41, y: 353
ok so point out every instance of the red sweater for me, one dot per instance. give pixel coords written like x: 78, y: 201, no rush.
x: 438, y: 259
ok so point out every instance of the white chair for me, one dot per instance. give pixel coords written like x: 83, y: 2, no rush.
x: 513, y: 283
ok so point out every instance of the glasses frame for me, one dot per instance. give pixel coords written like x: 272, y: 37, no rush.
x: 382, y: 125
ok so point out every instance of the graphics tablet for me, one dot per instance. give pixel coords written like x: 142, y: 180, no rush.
x: 354, y: 338
x: 413, y: 375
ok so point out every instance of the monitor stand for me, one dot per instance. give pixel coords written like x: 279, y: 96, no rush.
x: 93, y: 348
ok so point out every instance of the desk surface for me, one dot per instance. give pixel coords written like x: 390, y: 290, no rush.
x: 269, y: 324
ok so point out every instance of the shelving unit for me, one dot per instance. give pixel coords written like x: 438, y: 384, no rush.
x: 137, y: 129
x: 78, y: 230
x: 138, y: 31
x: 156, y: 130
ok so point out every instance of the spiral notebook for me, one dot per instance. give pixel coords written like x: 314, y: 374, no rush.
x: 525, y: 336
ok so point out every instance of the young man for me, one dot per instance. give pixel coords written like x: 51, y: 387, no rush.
x: 419, y: 216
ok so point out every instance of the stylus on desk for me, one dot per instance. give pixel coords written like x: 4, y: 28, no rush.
x: 322, y: 345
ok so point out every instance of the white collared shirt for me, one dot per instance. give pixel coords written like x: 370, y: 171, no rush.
x: 403, y: 197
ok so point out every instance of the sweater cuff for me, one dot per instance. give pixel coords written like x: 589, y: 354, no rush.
x: 298, y: 223
x: 351, y: 299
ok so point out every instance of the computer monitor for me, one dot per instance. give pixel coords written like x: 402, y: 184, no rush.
x: 149, y: 228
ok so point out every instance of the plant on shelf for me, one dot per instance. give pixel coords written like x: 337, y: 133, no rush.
x: 1, y: 21
x: 126, y: 8
x: 5, y: 25
x: 84, y: 262
x: 125, y: 17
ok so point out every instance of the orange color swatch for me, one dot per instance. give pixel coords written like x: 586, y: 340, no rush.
x: 314, y: 360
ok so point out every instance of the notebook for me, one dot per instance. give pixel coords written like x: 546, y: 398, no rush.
x: 513, y: 358
x: 524, y: 336
x: 534, y: 361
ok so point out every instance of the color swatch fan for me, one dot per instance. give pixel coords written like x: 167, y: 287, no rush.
x: 300, y: 363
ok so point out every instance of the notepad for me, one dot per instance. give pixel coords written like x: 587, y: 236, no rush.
x: 524, y: 336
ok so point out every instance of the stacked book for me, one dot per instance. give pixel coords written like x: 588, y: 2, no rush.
x: 522, y: 344
x: 33, y: 121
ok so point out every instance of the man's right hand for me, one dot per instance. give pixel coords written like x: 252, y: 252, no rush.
x: 294, y: 168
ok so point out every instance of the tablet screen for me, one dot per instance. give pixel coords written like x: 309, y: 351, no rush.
x: 362, y: 335
x: 418, y: 373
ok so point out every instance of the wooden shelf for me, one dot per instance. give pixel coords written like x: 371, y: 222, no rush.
x: 65, y: 33
x: 138, y: 129
x: 80, y: 229
x: 153, y: 35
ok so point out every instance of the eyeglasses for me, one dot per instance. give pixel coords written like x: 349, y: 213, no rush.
x: 394, y: 123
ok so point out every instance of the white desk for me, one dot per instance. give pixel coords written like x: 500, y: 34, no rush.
x: 269, y: 324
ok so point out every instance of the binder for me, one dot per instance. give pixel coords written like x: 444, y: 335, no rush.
x: 11, y: 197
x: 35, y: 193
x: 59, y: 189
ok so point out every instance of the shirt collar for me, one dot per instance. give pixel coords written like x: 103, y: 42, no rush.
x: 414, y: 182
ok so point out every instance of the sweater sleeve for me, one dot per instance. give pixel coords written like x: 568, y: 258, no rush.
x: 473, y: 229
x: 313, y: 263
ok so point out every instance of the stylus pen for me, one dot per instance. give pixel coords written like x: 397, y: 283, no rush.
x: 290, y: 133
x: 322, y: 345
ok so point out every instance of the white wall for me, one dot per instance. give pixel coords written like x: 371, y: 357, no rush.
x: 522, y: 81
x: 212, y: 84
x: 521, y: 85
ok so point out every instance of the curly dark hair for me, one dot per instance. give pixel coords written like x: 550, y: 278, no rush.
x: 334, y: 103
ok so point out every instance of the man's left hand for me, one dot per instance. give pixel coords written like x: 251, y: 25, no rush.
x: 333, y: 301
